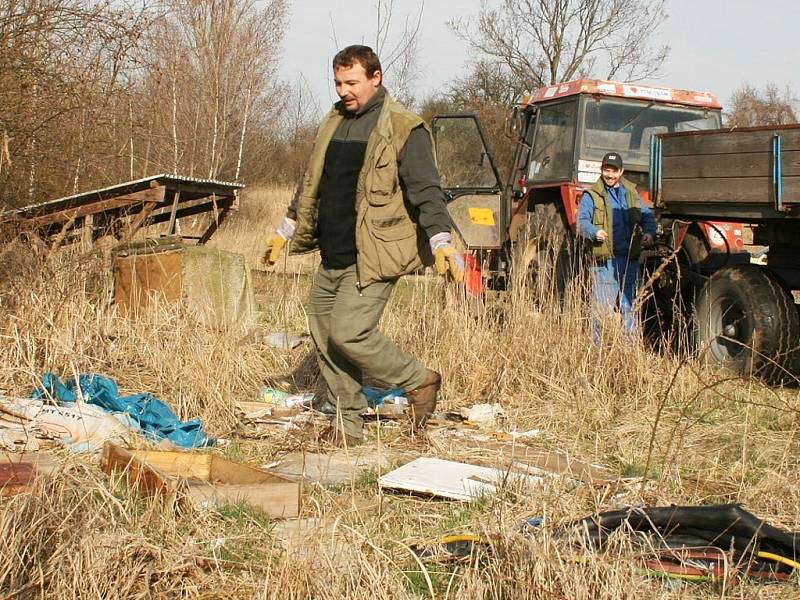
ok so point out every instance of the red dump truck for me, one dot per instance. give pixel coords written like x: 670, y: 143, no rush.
x: 708, y: 187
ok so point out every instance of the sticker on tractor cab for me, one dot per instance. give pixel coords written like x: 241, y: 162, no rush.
x: 588, y: 171
x: 606, y: 88
x: 481, y: 216
x: 647, y: 92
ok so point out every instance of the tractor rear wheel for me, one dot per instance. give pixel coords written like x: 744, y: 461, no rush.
x: 544, y: 256
x: 746, y: 322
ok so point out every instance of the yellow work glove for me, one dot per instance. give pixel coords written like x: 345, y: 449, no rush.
x: 277, y: 242
x: 448, y: 260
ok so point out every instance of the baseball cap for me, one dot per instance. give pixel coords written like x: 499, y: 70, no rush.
x: 613, y: 159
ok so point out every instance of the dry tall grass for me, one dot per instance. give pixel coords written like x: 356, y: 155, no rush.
x: 699, y: 436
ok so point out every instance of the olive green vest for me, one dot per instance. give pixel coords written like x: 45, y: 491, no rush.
x: 389, y: 242
x: 602, y: 219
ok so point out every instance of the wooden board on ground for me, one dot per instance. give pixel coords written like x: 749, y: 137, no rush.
x: 338, y: 468
x: 206, y: 479
x: 19, y: 471
x: 528, y: 459
x: 449, y: 479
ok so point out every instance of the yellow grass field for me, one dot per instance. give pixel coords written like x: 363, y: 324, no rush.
x: 679, y: 433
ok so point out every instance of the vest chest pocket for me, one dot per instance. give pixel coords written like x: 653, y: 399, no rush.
x: 383, y: 178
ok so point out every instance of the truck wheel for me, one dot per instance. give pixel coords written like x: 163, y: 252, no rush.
x: 747, y: 323
x: 543, y: 257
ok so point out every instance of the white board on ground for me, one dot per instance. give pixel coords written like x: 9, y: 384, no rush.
x: 448, y: 479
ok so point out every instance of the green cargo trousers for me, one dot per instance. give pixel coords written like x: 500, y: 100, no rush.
x: 343, y: 321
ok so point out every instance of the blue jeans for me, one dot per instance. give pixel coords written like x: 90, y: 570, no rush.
x: 614, y: 286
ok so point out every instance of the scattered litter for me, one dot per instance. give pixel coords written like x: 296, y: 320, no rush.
x: 449, y: 479
x: 277, y: 397
x: 207, y: 480
x: 80, y: 426
x: 485, y: 416
x: 259, y: 412
x: 154, y: 418
x: 385, y: 403
x: 285, y: 341
x: 670, y: 538
x: 376, y: 397
x: 19, y: 471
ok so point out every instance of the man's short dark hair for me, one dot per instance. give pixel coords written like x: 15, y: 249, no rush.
x: 363, y: 55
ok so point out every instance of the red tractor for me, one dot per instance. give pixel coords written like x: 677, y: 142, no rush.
x: 561, y: 133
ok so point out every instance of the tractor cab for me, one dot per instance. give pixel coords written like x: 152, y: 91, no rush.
x: 561, y: 133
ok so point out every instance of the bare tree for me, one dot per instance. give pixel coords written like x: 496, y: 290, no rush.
x: 750, y: 107
x: 398, y: 50
x: 543, y: 42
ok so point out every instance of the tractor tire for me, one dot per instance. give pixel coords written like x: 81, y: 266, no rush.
x: 746, y: 322
x: 667, y: 306
x: 544, y: 256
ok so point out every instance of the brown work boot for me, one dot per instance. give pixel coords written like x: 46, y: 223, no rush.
x: 422, y: 400
x: 336, y: 437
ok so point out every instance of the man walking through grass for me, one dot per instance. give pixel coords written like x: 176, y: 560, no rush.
x: 612, y: 216
x: 371, y: 203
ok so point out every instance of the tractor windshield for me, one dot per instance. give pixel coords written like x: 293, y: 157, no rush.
x: 626, y: 126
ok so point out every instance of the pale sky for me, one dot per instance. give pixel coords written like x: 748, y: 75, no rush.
x: 715, y: 46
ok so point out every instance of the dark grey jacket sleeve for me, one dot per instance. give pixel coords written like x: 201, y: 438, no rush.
x: 420, y: 180
x: 291, y: 211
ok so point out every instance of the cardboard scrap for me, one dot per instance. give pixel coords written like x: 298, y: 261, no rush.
x: 206, y: 479
x: 449, y: 479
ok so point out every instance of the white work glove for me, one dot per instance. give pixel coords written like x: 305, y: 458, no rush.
x: 447, y: 259
x: 276, y: 243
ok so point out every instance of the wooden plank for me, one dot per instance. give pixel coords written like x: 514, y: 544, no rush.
x: 338, y: 468
x: 138, y: 221
x: 729, y: 142
x: 65, y: 229
x: 173, y: 212
x: 188, y: 211
x: 110, y: 204
x: 279, y: 500
x: 745, y: 164
x: 177, y: 464
x: 749, y: 190
x: 229, y: 472
x: 138, y: 474
x: 214, y: 225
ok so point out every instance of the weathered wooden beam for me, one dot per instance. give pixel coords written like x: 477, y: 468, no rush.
x: 154, y: 195
x: 188, y: 211
x: 139, y: 221
x: 173, y: 213
x: 214, y: 226
x: 62, y: 234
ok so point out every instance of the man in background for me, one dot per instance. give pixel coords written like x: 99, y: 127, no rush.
x: 613, y: 218
x: 372, y: 204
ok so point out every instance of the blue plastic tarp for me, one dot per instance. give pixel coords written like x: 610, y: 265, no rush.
x: 153, y: 416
